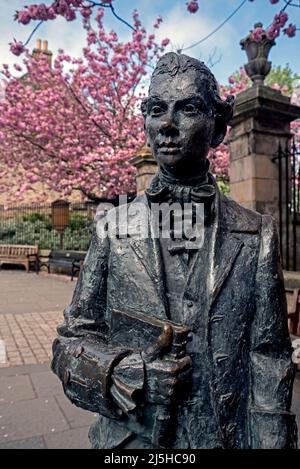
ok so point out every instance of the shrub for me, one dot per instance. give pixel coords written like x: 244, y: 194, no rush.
x: 40, y: 232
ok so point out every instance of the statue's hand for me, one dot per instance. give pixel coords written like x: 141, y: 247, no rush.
x: 153, y: 376
x: 128, y: 383
x: 167, y: 379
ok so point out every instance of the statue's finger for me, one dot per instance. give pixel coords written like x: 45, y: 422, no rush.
x: 160, y: 346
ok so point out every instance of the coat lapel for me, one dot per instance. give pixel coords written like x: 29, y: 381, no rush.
x: 227, y: 241
x: 147, y: 250
x: 208, y: 271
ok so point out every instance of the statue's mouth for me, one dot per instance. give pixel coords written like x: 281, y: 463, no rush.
x: 169, y: 148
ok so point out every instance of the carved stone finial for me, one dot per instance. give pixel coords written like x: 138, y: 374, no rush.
x: 257, y: 50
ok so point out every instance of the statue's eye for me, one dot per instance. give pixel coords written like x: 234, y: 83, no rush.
x: 156, y: 110
x: 190, y: 109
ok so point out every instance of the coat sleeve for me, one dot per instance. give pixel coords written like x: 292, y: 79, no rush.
x: 82, y: 356
x: 271, y: 424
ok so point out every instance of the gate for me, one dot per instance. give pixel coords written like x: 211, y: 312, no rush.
x: 289, y: 202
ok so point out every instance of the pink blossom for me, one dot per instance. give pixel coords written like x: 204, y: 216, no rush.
x: 23, y: 16
x: 257, y: 34
x: 80, y: 127
x: 274, y: 1
x: 42, y: 12
x: 32, y: 10
x: 290, y: 31
x: 193, y: 6
x: 51, y: 13
x: 70, y: 15
x: 165, y: 42
x: 281, y: 18
x: 273, y: 32
x: 158, y: 22
x: 17, y: 67
x: 16, y: 47
x: 86, y: 12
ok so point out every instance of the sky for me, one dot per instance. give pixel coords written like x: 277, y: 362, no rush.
x: 181, y: 27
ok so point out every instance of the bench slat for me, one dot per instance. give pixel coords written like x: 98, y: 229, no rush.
x: 17, y: 253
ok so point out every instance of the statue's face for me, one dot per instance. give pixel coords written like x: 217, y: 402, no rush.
x: 179, y: 120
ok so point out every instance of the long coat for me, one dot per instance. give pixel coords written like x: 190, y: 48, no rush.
x: 248, y: 345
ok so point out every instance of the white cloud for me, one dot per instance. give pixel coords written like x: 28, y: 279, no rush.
x: 184, y: 30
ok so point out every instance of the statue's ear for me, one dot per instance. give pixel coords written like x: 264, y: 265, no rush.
x: 144, y: 107
x: 219, y: 132
x: 223, y: 114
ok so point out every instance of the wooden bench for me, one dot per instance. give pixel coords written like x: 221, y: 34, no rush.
x: 19, y: 254
x: 293, y: 304
x: 71, y: 260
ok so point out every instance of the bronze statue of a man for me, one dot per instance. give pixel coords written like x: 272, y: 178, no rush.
x: 218, y: 372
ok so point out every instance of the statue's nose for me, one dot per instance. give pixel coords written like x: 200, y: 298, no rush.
x: 168, y: 125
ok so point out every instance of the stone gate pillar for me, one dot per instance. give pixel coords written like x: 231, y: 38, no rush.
x: 146, y: 168
x: 261, y: 121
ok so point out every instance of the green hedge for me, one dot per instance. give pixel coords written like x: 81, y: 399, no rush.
x: 37, y: 229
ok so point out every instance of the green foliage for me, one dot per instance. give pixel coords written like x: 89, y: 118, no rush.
x: 39, y: 231
x: 78, y: 222
x: 223, y: 186
x: 35, y: 217
x: 284, y: 77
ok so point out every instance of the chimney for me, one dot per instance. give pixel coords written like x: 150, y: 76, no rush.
x: 42, y: 50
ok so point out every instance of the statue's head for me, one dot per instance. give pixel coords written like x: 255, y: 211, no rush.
x: 184, y: 114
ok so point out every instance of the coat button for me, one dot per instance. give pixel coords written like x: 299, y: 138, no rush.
x: 78, y: 351
x: 190, y: 304
x: 66, y: 377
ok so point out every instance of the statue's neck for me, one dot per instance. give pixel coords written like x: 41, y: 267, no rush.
x: 190, y: 176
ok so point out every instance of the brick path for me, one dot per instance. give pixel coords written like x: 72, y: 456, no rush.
x: 31, y: 307
x: 34, y: 412
x: 28, y: 337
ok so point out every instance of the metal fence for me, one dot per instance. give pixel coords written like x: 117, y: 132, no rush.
x: 67, y: 226
x: 288, y: 159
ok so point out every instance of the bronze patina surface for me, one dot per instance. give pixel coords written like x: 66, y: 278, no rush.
x: 176, y: 345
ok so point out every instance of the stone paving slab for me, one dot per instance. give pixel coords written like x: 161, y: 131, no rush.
x: 29, y: 418
x: 26, y: 293
x: 31, y: 307
x: 28, y: 338
x: 16, y: 388
x: 36, y: 414
x: 46, y: 384
x: 75, y: 416
x: 36, y: 442
x: 71, y: 439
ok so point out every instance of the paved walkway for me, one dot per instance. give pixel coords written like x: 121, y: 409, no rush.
x: 31, y: 307
x: 22, y: 293
x: 34, y: 412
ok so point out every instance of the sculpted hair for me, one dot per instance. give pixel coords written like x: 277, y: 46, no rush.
x: 173, y: 64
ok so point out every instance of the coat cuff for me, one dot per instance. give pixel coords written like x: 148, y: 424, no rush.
x: 84, y: 366
x: 272, y: 430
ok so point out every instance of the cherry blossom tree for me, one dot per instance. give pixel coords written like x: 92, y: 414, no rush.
x: 71, y: 9
x: 279, y: 23
x: 77, y: 128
